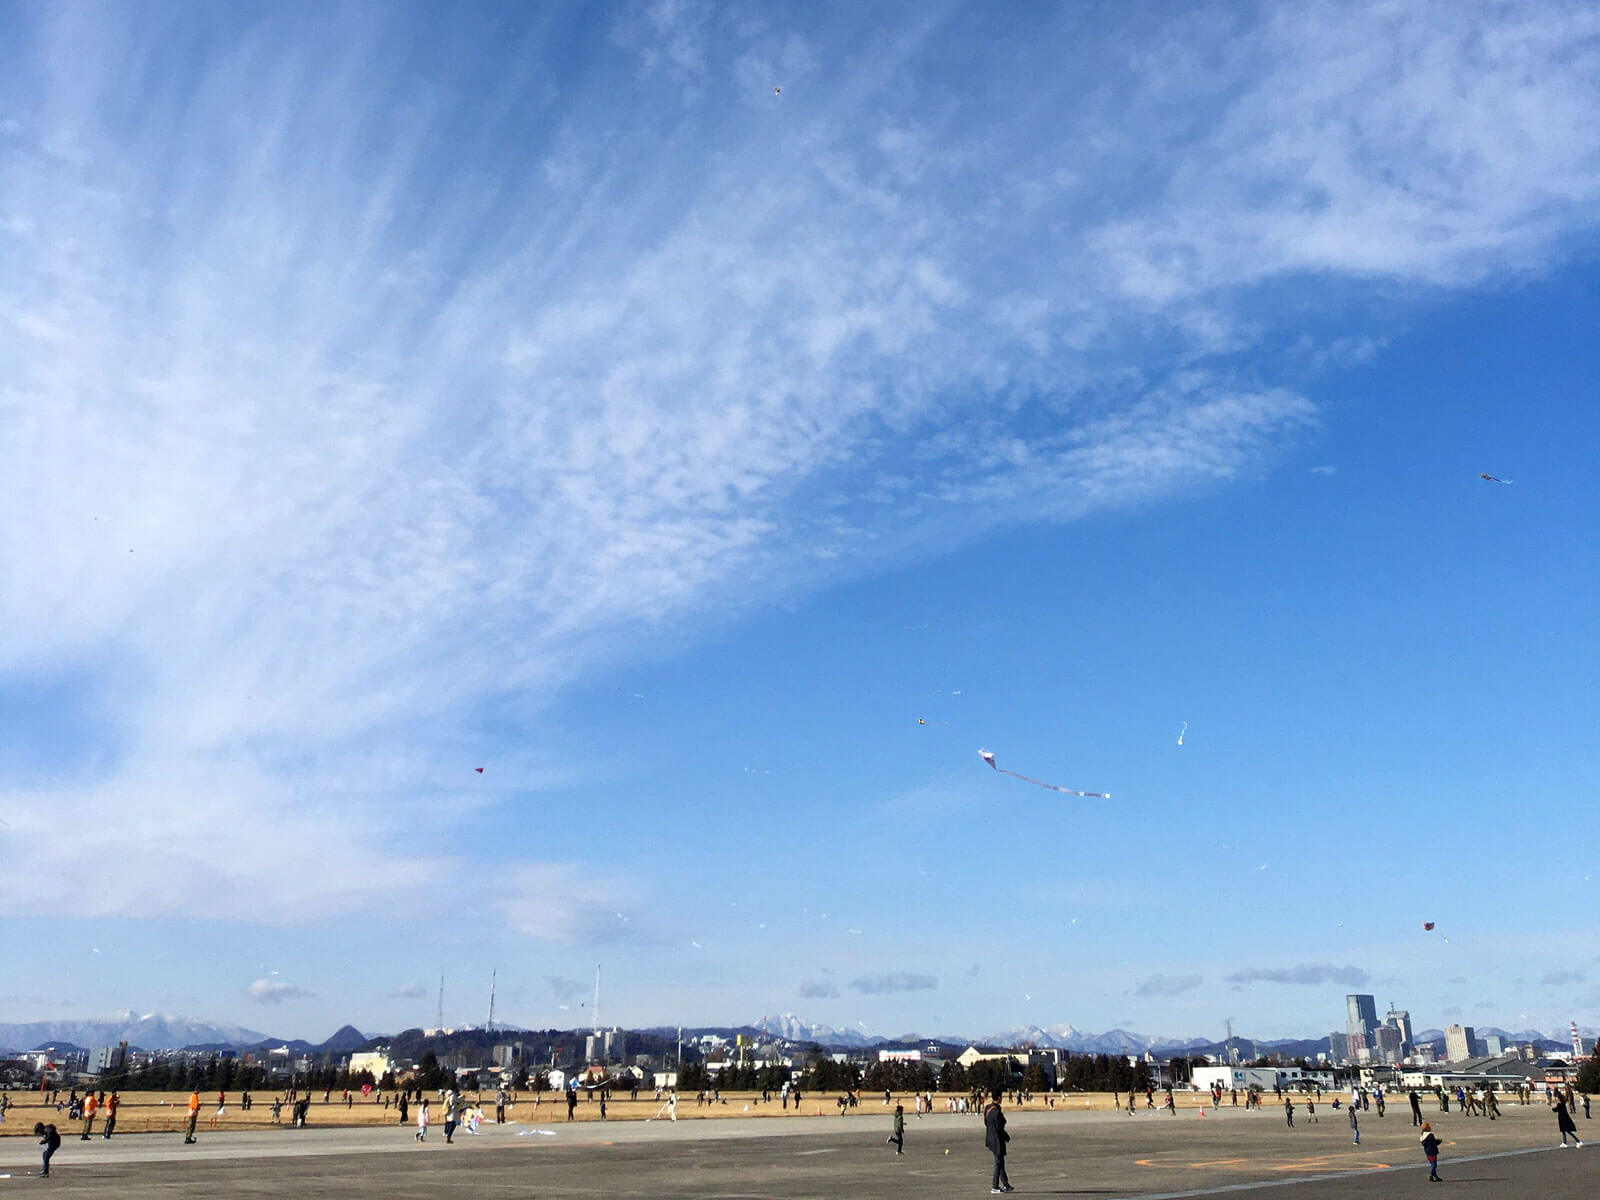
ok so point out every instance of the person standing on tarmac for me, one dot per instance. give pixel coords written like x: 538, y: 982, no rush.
x: 995, y: 1138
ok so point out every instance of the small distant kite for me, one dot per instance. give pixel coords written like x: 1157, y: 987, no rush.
x: 1493, y: 479
x: 1183, y: 731
x: 989, y: 758
x: 777, y: 91
x: 921, y: 721
x: 479, y: 770
x: 1428, y: 925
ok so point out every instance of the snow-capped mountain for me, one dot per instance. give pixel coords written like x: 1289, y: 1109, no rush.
x: 148, y: 1031
x: 1113, y: 1041
x: 792, y: 1029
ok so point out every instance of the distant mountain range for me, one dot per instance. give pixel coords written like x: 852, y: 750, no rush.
x: 162, y: 1031
x: 1115, y: 1041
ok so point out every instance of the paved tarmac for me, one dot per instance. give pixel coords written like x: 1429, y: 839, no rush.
x: 1095, y: 1156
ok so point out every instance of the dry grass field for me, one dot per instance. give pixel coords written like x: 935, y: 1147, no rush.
x: 167, y: 1112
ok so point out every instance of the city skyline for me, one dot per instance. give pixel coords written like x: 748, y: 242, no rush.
x: 504, y: 490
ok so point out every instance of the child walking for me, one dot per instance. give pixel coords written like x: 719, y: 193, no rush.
x: 1430, y: 1147
x: 422, y: 1120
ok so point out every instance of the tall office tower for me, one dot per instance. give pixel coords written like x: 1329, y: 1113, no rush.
x: 1401, y: 1020
x: 1386, y: 1043
x: 1363, y: 1015
x: 1460, y: 1042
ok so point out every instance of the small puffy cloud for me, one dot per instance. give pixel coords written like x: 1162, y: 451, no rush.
x: 1325, y: 470
x: 564, y: 989
x: 276, y: 991
x: 409, y: 991
x: 1167, y: 985
x: 1562, y: 978
x: 894, y: 981
x: 818, y: 989
x: 1302, y: 973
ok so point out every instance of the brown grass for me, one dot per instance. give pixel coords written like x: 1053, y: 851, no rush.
x: 167, y: 1112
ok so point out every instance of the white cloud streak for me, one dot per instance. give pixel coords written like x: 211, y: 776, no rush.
x: 274, y: 991
x: 341, y: 394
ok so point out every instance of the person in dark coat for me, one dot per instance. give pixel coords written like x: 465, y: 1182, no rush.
x: 1564, y: 1123
x: 898, y: 1137
x: 995, y: 1138
x: 1430, y: 1147
x: 1416, y: 1108
x: 50, y: 1140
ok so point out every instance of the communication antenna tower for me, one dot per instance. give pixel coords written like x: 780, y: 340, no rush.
x: 440, y: 1024
x: 492, y: 976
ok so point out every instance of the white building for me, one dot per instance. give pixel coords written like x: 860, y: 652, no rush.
x: 1265, y: 1078
x: 376, y: 1061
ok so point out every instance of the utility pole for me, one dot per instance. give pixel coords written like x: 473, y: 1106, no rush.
x: 440, y: 1024
x: 597, y: 997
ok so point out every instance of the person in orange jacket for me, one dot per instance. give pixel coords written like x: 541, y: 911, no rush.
x: 194, y: 1116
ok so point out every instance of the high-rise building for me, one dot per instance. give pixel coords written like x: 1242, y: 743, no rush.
x: 1386, y: 1042
x: 616, y: 1045
x: 1360, y: 1051
x: 1362, y: 1015
x: 1494, y: 1044
x: 1460, y: 1042
x: 1399, y: 1019
x: 1339, y: 1047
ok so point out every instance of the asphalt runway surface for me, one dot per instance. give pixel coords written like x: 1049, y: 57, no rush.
x: 1095, y: 1156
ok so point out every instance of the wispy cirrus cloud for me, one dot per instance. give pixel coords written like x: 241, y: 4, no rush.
x: 1167, y: 985
x: 818, y: 989
x: 1301, y: 974
x: 331, y: 419
x: 893, y: 981
x: 1562, y: 978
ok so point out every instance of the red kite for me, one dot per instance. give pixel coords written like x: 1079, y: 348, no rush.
x: 1428, y: 925
x: 479, y: 770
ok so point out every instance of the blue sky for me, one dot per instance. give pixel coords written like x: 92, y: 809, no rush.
x: 388, y: 393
